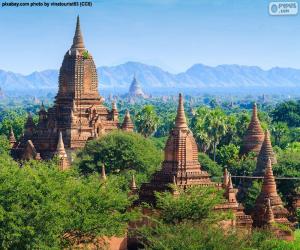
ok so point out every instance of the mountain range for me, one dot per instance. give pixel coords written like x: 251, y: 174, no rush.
x: 154, y: 79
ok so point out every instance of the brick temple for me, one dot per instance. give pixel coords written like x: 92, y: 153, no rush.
x: 182, y: 168
x: 269, y: 209
x: 78, y: 112
x: 266, y: 152
x: 254, y: 136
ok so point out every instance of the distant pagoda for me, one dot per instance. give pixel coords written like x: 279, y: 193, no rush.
x: 269, y: 207
x: 135, y: 90
x: 254, y: 136
x: 78, y: 113
x: 266, y: 152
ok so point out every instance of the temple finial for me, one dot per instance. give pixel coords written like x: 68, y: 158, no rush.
x: 180, y: 121
x: 61, y: 153
x: 103, y: 174
x: 133, y: 186
x: 225, y: 178
x: 230, y: 186
x: 254, y: 112
x: 78, y: 38
x: 114, y: 105
x: 60, y: 149
x: 269, y: 213
x: 12, y: 138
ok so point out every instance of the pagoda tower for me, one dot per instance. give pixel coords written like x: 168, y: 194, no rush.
x: 261, y: 214
x: 181, y: 163
x: 127, y: 124
x: 78, y: 111
x: 135, y: 89
x: 254, y: 136
x: 266, y: 152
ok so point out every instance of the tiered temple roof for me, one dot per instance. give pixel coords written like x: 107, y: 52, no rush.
x: 266, y: 153
x: 254, y: 136
x: 261, y: 212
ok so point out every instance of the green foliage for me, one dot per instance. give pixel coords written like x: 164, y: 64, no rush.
x: 4, y: 145
x: 287, y: 112
x: 14, y: 120
x: 119, y: 151
x: 194, y: 203
x: 279, y: 131
x: 289, y: 166
x: 85, y: 54
x: 251, y: 195
x: 210, y: 166
x: 39, y: 203
x: 228, y: 155
x: 146, y: 120
x: 159, y: 142
x: 209, y: 126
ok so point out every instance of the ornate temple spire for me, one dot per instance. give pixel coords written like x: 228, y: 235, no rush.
x: 133, y: 186
x: 254, y: 136
x: 103, y: 174
x: 12, y: 138
x: 230, y: 191
x: 127, y: 123
x: 269, y: 184
x: 29, y: 122
x: 269, y: 213
x: 180, y: 121
x: 61, y: 153
x: 266, y: 152
x: 78, y: 38
x: 225, y: 178
x: 114, y: 105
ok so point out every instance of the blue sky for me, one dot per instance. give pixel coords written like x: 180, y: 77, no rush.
x: 173, y: 34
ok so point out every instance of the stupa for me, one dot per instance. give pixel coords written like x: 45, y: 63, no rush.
x: 267, y: 200
x: 254, y: 136
x: 266, y: 152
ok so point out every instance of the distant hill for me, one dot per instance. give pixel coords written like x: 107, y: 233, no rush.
x: 152, y: 78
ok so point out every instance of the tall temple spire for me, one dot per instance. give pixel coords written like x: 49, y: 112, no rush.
x: 225, y: 178
x: 254, y: 136
x: 127, y: 123
x: 103, y: 174
x: 266, y: 152
x: 78, y: 38
x: 133, y: 186
x: 180, y: 121
x: 12, y: 138
x: 269, y: 184
x: 61, y: 153
x: 269, y: 192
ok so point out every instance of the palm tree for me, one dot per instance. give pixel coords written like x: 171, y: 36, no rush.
x: 278, y: 130
x: 146, y: 121
x: 216, y: 127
